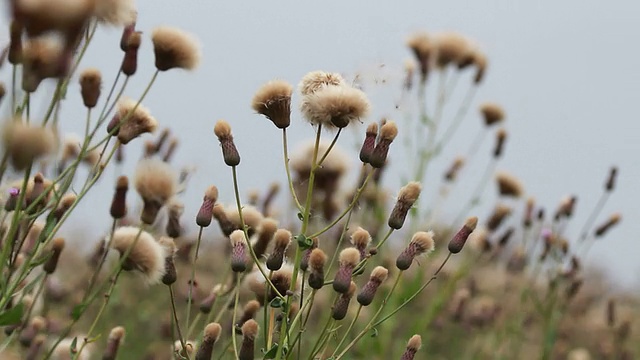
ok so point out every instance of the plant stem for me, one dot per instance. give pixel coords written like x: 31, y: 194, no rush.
x: 235, y: 314
x: 193, y: 277
x: 346, y: 333
x: 175, y: 319
x: 285, y: 151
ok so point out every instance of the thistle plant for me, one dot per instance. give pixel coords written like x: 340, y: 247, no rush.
x: 340, y: 278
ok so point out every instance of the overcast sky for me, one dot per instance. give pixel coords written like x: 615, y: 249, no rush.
x: 565, y: 72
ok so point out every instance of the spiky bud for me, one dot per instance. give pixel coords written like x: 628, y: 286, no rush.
x: 611, y: 180
x: 368, y: 292
x: 388, y: 133
x: 15, y: 43
x: 360, y: 240
x: 249, y: 333
x: 248, y: 312
x: 170, y: 274
x: 50, y: 266
x: 369, y: 143
x: 66, y: 202
x: 339, y: 310
x: 229, y: 151
x: 349, y: 258
x: 406, y: 198
x: 265, y: 232
x: 211, y: 335
x: 413, y: 346
x: 90, y: 83
x: 175, y: 209
x: 460, y: 238
x: 607, y: 225
x: 306, y: 255
x: 317, y: 259
x: 130, y: 61
x: 116, y: 337
x: 205, y: 214
x: 119, y: 203
x: 422, y: 242
x: 238, y: 251
x: 281, y: 239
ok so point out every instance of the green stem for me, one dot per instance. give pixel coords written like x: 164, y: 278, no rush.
x: 286, y: 167
x: 234, y: 316
x: 346, y: 333
x: 193, y: 277
x: 175, y: 319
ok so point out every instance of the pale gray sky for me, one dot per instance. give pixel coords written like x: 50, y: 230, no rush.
x: 566, y: 73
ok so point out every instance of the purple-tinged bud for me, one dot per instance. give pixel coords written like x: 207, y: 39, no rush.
x: 281, y: 239
x: 388, y: 133
x: 238, y: 251
x: 406, y: 198
x: 317, y: 260
x: 369, y: 143
x: 339, y: 310
x: 205, y: 214
x: 229, y: 151
x: 368, y: 292
x: 349, y: 258
x: 422, y: 242
x: 460, y: 238
x: 119, y: 202
x: 413, y: 346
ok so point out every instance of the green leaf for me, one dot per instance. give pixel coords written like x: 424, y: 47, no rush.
x: 304, y: 242
x: 277, y: 303
x: 271, y: 354
x: 73, y: 349
x: 77, y: 311
x: 12, y: 316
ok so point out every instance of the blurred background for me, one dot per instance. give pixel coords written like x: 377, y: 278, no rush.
x: 565, y: 72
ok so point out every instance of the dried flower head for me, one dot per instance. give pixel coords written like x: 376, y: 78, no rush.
x: 281, y: 240
x: 115, y: 12
x: 132, y: 43
x: 156, y: 183
x: 226, y: 225
x: 349, y: 258
x: 607, y: 225
x: 509, y: 185
x: 452, y: 172
x: 407, y: 196
x: 388, y: 133
x: 316, y: 80
x: 451, y: 48
x: 414, y: 344
x: 460, y: 238
x: 145, y: 254
x: 317, y: 260
x: 90, y: 83
x: 611, y: 179
x: 368, y: 292
x: 339, y: 310
x: 230, y: 153
x: 492, y: 113
x: 333, y: 167
x: 423, y: 47
x: 170, y: 275
x: 421, y: 243
x: 131, y: 120
x: 480, y: 62
x: 238, y: 251
x: 501, y: 138
x: 174, y: 48
x: 251, y: 216
x: 360, y: 240
x: 175, y: 209
x: 42, y: 58
x: 273, y: 100
x: 26, y: 143
x: 56, y: 249
x: 335, y: 106
x: 211, y: 334
x: 369, y: 143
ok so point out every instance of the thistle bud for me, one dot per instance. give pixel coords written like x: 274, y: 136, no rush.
x: 175, y: 209
x: 126, y: 34
x: 509, y: 185
x: 15, y: 44
x: 460, y: 238
x: 501, y: 138
x: 360, y: 240
x: 119, y: 202
x: 226, y: 225
x: 369, y: 143
x: 238, y: 251
x: 66, y: 202
x: 492, y: 113
x: 116, y: 337
x: 36, y: 192
x: 422, y: 242
x: 170, y: 274
x: 50, y: 266
x: 306, y: 255
x: 605, y: 227
x: 317, y: 259
x: 281, y: 280
x: 248, y: 312
x: 249, y: 333
x: 500, y: 213
x: 90, y: 83
x: 205, y: 214
x: 229, y: 151
x: 174, y: 49
x: 12, y: 201
x: 388, y: 133
x: 454, y: 169
x: 211, y: 335
x: 529, y: 212
x: 282, y: 239
x: 130, y: 60
x: 406, y: 198
x: 266, y: 231
x: 368, y: 291
x: 339, y: 310
x: 349, y: 258
x: 413, y: 346
x: 611, y: 180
